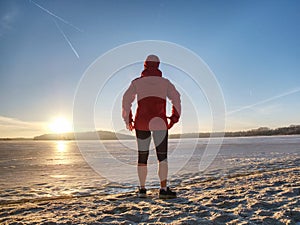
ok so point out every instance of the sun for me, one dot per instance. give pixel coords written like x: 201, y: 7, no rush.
x: 60, y: 125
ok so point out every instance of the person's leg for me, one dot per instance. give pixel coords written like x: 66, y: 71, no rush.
x: 161, y: 145
x: 163, y: 173
x: 143, y: 142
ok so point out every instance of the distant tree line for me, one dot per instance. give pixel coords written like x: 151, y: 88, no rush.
x: 265, y: 131
x: 93, y: 135
x: 108, y: 135
x: 262, y: 131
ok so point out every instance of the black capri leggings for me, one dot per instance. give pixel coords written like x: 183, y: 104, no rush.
x: 160, y: 138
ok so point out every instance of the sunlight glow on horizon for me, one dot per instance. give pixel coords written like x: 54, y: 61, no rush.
x: 60, y: 125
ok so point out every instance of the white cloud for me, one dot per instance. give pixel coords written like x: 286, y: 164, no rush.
x: 12, y: 127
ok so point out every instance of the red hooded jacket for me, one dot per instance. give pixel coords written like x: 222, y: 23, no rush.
x: 151, y: 90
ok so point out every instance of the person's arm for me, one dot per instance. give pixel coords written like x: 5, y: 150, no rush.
x: 174, y: 97
x: 127, y: 100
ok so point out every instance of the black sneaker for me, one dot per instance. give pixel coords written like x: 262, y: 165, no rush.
x: 168, y: 194
x: 142, y: 193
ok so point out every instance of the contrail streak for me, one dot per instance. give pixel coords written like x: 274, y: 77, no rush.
x: 57, y: 17
x: 66, y: 38
x: 264, y: 101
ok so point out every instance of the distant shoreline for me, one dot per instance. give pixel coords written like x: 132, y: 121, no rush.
x: 108, y: 135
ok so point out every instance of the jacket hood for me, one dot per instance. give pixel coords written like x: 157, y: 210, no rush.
x: 151, y: 65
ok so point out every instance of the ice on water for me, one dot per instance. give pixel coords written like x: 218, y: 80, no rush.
x: 50, y: 169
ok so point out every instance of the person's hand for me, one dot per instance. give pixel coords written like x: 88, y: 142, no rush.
x: 170, y: 125
x: 130, y: 126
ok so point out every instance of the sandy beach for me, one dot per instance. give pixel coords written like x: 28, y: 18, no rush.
x: 265, y: 197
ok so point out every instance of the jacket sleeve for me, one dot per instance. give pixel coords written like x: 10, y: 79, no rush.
x: 127, y: 100
x: 174, y: 97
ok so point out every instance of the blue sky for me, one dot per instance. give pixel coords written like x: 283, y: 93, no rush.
x: 253, y: 48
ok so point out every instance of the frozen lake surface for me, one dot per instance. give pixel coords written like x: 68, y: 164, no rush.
x: 54, y: 169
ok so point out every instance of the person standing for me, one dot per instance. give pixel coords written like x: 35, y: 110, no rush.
x: 152, y: 91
